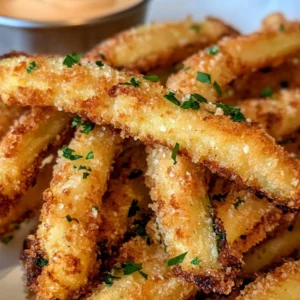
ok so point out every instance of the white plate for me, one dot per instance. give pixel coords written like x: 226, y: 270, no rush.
x: 245, y: 15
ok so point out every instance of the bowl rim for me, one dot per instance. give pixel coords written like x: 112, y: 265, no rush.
x: 27, y: 23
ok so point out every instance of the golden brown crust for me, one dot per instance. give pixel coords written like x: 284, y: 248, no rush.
x: 281, y: 284
x: 186, y: 223
x: 159, y: 44
x: 237, y: 56
x: 23, y: 148
x: 239, y: 151
x: 70, y: 216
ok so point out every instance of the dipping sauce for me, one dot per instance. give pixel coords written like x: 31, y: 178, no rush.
x: 55, y: 11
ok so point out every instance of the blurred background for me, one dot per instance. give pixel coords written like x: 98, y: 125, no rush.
x: 62, y: 26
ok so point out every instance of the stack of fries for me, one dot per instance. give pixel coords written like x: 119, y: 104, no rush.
x: 174, y: 188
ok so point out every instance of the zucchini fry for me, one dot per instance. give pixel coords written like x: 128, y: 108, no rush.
x: 154, y: 281
x: 186, y: 222
x: 278, y: 114
x: 279, y: 246
x: 22, y: 150
x: 246, y: 218
x: 30, y: 202
x: 8, y: 114
x: 160, y: 44
x: 236, y: 56
x: 126, y: 200
x: 65, y: 248
x: 237, y: 150
x: 281, y: 284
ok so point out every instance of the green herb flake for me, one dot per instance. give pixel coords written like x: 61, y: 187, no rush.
x: 174, y: 153
x: 99, y: 63
x: 87, y: 127
x: 143, y: 274
x: 85, y: 175
x: 76, y: 121
x: 72, y: 59
x: 195, y: 27
x: 90, y: 155
x: 108, y: 279
x: 70, y: 219
x: 190, y: 104
x: 266, y: 92
x: 133, y: 209
x: 212, y: 50
x: 238, y: 202
x: 31, y: 67
x: 234, y: 112
x: 135, y: 173
x: 281, y: 27
x: 176, y: 260
x: 5, y: 240
x: 133, y: 82
x: 220, y: 235
x: 171, y: 97
x: 203, y: 77
x: 80, y: 167
x: 198, y: 98
x: 217, y: 88
x: 95, y: 208
x: 195, y: 261
x: 153, y: 78
x: 41, y: 262
x: 186, y: 68
x: 131, y: 267
x: 67, y: 153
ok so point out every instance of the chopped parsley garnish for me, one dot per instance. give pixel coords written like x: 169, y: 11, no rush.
x: 190, y: 104
x: 212, y: 50
x: 217, y: 88
x: 133, y: 208
x: 171, y: 97
x: 176, y: 260
x: 41, y: 262
x: 95, y: 208
x: 90, y: 155
x: 234, y: 112
x: 195, y: 27
x: 133, y: 82
x: 131, y: 267
x: 70, y: 219
x: 281, y: 27
x: 144, y: 274
x: 219, y: 197
x: 87, y: 127
x: 67, y: 153
x: 266, y: 92
x: 203, y: 77
x: 108, y: 279
x: 174, y: 153
x: 195, y: 261
x: 99, y: 63
x: 238, y: 202
x: 80, y: 167
x: 7, y: 239
x: 153, y: 78
x: 85, y: 175
x: 198, y: 98
x: 135, y: 173
x: 32, y: 66
x: 140, y: 230
x: 72, y: 59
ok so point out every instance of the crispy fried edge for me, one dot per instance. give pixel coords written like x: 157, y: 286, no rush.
x: 157, y: 45
x: 58, y: 278
x: 237, y: 56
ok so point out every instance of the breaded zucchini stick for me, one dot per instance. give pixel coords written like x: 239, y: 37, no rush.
x: 30, y: 202
x: 67, y: 236
x: 278, y: 114
x: 8, y: 114
x: 186, y: 222
x: 237, y: 150
x: 159, y: 44
x: 22, y: 150
x: 279, y: 246
x: 246, y: 218
x: 235, y: 57
x: 153, y: 279
x: 281, y: 284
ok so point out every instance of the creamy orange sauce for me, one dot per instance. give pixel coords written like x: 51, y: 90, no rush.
x: 62, y: 10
